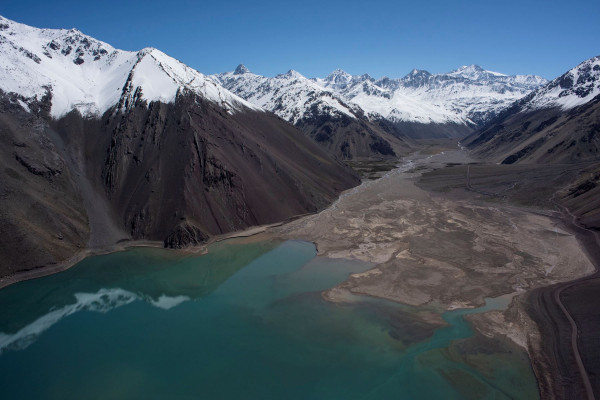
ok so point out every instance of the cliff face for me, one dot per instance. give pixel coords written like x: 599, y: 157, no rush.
x: 178, y: 172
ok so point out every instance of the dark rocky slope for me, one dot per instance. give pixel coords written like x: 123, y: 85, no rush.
x: 42, y: 216
x: 548, y: 135
x: 355, y: 139
x: 582, y: 197
x: 177, y: 173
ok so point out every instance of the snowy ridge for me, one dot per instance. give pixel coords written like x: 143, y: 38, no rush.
x: 468, y: 95
x: 291, y: 96
x: 574, y: 88
x: 91, y: 76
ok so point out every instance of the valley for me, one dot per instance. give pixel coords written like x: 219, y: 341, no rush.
x: 438, y: 230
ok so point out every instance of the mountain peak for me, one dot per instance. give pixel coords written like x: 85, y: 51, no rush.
x: 339, y: 71
x: 474, y: 72
x: 415, y: 78
x: 241, y: 69
x: 467, y: 70
x: 291, y: 74
x: 338, y: 78
x: 417, y: 72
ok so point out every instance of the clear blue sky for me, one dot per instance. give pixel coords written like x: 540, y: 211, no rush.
x: 314, y: 37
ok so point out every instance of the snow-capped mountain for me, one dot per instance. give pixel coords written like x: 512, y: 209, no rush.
x: 156, y: 151
x: 558, y: 122
x: 340, y: 126
x: 92, y: 76
x: 420, y: 104
x: 575, y: 87
x: 468, y: 95
x: 289, y: 95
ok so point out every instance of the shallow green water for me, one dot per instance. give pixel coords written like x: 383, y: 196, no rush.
x: 245, y: 321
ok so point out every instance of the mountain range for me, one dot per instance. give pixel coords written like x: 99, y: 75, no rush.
x: 419, y: 105
x: 340, y: 126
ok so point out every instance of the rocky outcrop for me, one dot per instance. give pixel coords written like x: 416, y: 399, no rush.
x: 184, y: 235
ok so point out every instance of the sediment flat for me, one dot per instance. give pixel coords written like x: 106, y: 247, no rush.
x: 451, y: 247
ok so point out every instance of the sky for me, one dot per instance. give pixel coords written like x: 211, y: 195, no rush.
x: 381, y: 38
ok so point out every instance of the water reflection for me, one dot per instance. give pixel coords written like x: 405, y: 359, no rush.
x: 161, y: 278
x: 102, y: 301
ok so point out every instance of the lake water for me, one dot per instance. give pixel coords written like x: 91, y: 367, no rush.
x: 245, y: 321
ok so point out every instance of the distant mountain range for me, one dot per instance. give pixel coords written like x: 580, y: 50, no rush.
x: 419, y: 105
x: 340, y: 126
x: 468, y: 95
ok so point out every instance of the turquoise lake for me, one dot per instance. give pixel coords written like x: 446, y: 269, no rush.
x: 245, y: 321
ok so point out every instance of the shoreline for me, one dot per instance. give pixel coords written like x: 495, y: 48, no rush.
x: 199, y: 249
